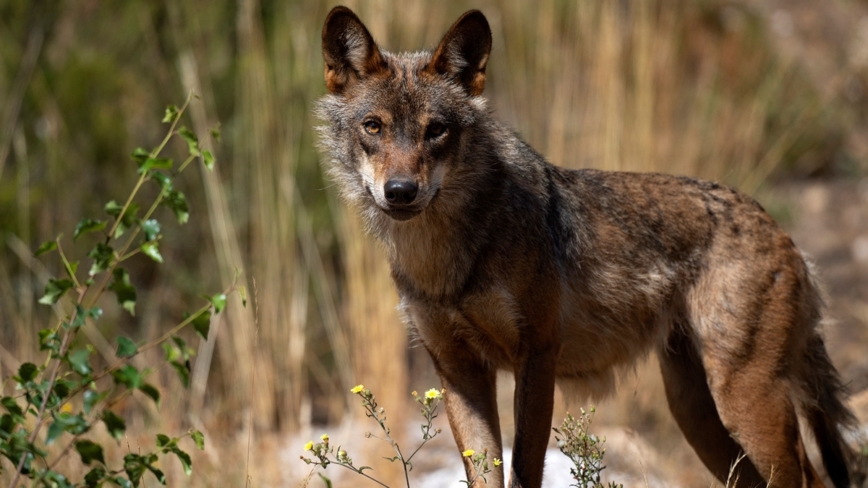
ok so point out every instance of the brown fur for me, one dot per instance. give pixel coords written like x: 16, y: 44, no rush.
x: 503, y: 261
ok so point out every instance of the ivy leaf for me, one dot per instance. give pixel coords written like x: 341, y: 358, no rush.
x: 134, y: 467
x: 151, y: 229
x: 198, y: 438
x: 176, y: 201
x: 151, y: 250
x: 151, y: 391
x: 185, y: 461
x: 128, y: 376
x: 183, y: 372
x: 140, y: 155
x: 12, y: 407
x: 90, y: 451
x: 126, y: 348
x: 218, y: 300
x: 202, y: 324
x: 91, y: 398
x: 163, y: 440
x: 45, y: 247
x: 93, y: 477
x: 125, y: 291
x: 79, y: 362
x: 171, y: 114
x: 54, y: 290
x: 66, y: 422
x: 126, y: 220
x: 81, y: 315
x: 208, y: 159
x: 155, y: 163
x: 192, y: 140
x: 88, y: 225
x: 102, y: 255
x: 27, y: 372
x: 172, y: 353
x: 162, y: 179
x: 115, y: 425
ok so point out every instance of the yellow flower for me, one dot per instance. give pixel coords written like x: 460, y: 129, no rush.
x: 308, y: 446
x: 358, y: 389
x: 432, y: 394
x: 414, y: 394
x: 66, y: 408
x: 468, y: 453
x: 324, y: 438
x: 497, y: 462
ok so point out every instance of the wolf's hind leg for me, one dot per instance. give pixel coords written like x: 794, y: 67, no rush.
x: 693, y: 407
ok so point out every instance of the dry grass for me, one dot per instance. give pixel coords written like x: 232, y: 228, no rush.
x: 684, y: 87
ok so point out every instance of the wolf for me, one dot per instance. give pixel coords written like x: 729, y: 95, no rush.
x: 503, y: 261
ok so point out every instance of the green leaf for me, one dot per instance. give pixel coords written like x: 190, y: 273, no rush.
x: 125, y: 291
x: 93, y: 477
x: 164, y: 440
x: 202, y: 324
x: 122, y: 482
x: 126, y: 348
x: 172, y: 353
x: 242, y: 292
x: 176, y: 201
x: 151, y: 229
x: 198, y: 438
x: 102, y: 255
x: 162, y: 179
x: 218, y: 300
x: 183, y: 372
x: 328, y: 482
x: 54, y: 290
x: 79, y: 362
x: 81, y: 315
x: 27, y: 372
x: 91, y: 398
x: 88, y: 225
x: 134, y: 467
x: 151, y: 249
x: 208, y: 159
x: 140, y: 155
x: 45, y: 247
x: 128, y: 376
x: 49, y: 341
x: 215, y: 134
x: 151, y: 391
x: 114, y: 424
x: 12, y: 407
x: 155, y: 163
x: 182, y: 346
x: 192, y: 140
x: 65, y: 422
x: 185, y: 461
x: 90, y: 451
x: 157, y: 473
x: 171, y: 114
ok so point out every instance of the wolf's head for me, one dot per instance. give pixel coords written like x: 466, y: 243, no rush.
x: 398, y: 124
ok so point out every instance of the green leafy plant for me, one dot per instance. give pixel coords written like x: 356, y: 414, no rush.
x: 325, y: 454
x: 57, y: 404
x: 584, y: 449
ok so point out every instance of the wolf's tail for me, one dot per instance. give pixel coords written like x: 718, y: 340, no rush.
x: 827, y: 415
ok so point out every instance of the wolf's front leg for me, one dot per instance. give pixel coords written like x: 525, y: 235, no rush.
x: 471, y: 404
x: 534, y: 402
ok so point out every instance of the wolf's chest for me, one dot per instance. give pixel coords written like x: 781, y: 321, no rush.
x: 488, y: 323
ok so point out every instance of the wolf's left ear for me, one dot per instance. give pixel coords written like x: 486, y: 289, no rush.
x: 463, y: 52
x: 348, y: 49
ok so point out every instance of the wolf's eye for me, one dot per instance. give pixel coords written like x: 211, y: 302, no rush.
x: 372, y: 127
x: 434, y: 130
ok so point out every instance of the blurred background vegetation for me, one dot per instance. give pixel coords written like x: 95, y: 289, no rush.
x: 747, y: 93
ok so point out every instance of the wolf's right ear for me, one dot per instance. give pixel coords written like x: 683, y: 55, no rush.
x: 463, y: 52
x: 348, y: 49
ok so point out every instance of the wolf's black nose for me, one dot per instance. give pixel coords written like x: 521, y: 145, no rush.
x: 400, y: 192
